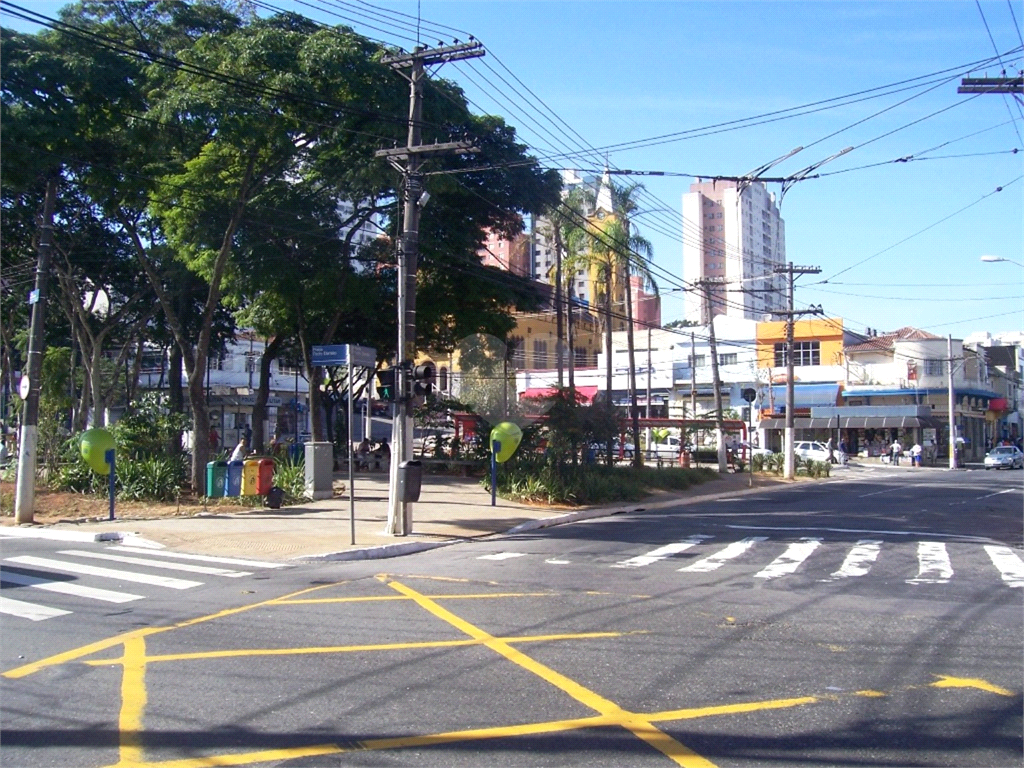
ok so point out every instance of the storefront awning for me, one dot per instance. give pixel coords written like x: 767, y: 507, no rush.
x: 854, y: 422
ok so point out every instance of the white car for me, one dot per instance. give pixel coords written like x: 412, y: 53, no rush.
x: 1008, y: 456
x: 807, y: 449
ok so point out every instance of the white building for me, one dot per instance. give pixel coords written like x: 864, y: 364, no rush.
x: 736, y: 236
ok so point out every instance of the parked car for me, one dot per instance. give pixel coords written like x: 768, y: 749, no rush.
x: 807, y: 449
x: 666, y: 450
x: 1008, y: 456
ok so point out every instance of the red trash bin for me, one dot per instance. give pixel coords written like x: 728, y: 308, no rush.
x: 265, y: 476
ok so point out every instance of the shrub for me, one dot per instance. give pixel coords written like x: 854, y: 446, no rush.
x: 290, y: 476
x: 157, y: 478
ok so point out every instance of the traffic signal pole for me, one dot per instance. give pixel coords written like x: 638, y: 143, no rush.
x: 399, y: 512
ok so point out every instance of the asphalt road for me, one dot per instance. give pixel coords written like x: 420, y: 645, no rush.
x: 871, y: 621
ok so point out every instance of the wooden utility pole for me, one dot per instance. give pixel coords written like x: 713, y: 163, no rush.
x: 415, y: 197
x: 705, y: 284
x: 25, y: 494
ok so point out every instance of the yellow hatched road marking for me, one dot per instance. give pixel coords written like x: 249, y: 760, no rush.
x: 636, y: 724
x: 248, y: 652
x: 402, y: 598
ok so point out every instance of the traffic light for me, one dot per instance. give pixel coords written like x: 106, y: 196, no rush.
x: 423, y: 379
x: 386, y: 384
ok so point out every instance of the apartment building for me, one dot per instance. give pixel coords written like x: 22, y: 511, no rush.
x: 733, y: 233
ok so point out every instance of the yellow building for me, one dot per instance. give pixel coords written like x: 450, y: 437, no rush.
x: 817, y: 341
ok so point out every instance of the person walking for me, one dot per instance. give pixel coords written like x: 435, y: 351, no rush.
x: 896, y: 449
x: 915, y: 455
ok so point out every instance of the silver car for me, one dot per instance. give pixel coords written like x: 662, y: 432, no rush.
x: 1008, y: 456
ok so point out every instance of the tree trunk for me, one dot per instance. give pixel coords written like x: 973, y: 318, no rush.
x: 175, y: 393
x: 259, y: 408
x: 608, y: 350
x: 559, y: 333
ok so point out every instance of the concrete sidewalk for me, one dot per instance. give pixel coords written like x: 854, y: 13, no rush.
x: 450, y: 510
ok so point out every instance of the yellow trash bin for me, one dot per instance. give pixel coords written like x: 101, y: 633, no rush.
x: 251, y: 477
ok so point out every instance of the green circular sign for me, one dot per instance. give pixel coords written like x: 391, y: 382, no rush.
x: 94, y: 445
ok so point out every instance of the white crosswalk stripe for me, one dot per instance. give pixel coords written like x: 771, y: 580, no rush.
x: 933, y: 564
x: 67, y: 588
x: 502, y: 556
x: 720, y: 558
x: 661, y: 553
x: 789, y: 560
x: 1009, y: 564
x: 65, y: 576
x: 29, y: 611
x: 858, y: 561
x: 166, y: 566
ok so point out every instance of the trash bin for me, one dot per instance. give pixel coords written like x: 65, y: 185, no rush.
x: 250, y: 477
x: 216, y: 479
x: 410, y: 477
x: 234, y: 487
x: 265, y: 476
x: 275, y: 497
x: 684, y: 459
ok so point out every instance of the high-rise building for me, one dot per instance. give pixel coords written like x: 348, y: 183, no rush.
x: 733, y: 233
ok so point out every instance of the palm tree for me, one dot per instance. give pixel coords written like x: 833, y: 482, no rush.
x: 623, y: 253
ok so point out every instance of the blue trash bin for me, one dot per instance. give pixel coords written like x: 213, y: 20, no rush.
x: 235, y: 478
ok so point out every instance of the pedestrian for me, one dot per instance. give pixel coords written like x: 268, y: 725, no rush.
x: 240, y: 450
x: 363, y: 454
x: 896, y: 449
x: 214, y: 438
x: 915, y: 455
x: 248, y: 433
x: 831, y: 452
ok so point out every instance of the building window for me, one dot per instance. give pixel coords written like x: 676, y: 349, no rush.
x: 540, y: 354
x: 935, y: 368
x: 804, y: 353
x: 727, y: 359
x: 695, y: 362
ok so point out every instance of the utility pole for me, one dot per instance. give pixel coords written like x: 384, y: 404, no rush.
x: 25, y: 495
x: 951, y: 405
x: 399, y: 512
x: 705, y: 284
x: 789, y: 467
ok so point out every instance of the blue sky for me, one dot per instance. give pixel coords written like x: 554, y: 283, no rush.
x: 621, y: 72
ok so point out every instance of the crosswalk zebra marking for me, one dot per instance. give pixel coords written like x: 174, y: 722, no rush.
x: 108, y: 573
x: 67, y: 588
x: 789, y: 560
x: 933, y: 564
x: 1008, y: 563
x: 858, y: 560
x: 29, y: 611
x: 200, y: 558
x: 719, y: 559
x: 205, y: 569
x: 661, y: 552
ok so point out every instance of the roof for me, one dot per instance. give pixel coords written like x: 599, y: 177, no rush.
x: 887, y: 341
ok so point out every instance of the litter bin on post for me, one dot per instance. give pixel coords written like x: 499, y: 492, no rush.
x: 410, y: 477
x: 250, y: 477
x: 216, y: 479
x: 234, y: 487
x: 684, y: 459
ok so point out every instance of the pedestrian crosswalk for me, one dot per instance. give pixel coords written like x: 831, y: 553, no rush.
x: 71, y: 579
x: 818, y: 559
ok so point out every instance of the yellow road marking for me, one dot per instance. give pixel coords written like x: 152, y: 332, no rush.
x: 641, y: 728
x: 402, y: 598
x: 729, y: 709
x: 947, y: 681
x: 247, y: 652
x: 102, y: 645
x: 133, y: 701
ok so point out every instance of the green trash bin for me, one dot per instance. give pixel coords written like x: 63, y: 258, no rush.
x: 216, y: 479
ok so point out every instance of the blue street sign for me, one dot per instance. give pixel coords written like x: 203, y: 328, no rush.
x: 330, y: 354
